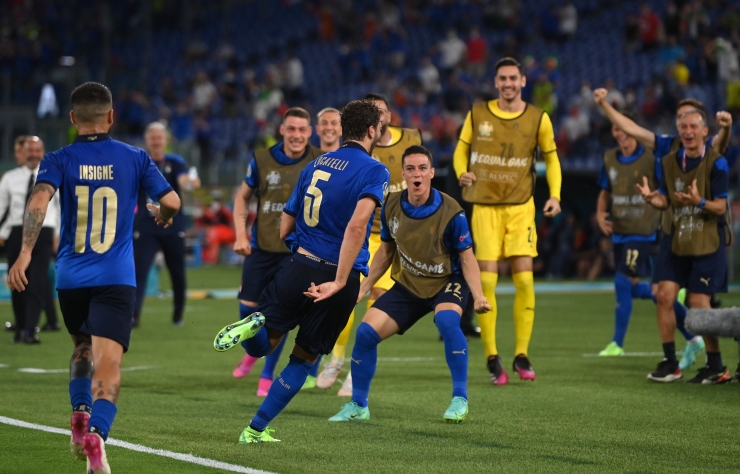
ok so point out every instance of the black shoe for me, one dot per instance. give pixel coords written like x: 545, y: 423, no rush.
x: 51, y: 327
x: 523, y: 367
x: 715, y: 302
x: 471, y: 331
x: 31, y: 339
x: 708, y: 376
x: 9, y: 326
x: 667, y: 371
x: 17, y: 338
x: 496, y: 368
x: 736, y: 377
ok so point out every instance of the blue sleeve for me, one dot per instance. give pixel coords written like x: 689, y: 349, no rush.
x: 385, y: 233
x: 662, y: 186
x: 658, y: 171
x: 253, y: 177
x: 719, y: 178
x: 376, y: 184
x: 663, y: 145
x: 603, y: 180
x: 51, y: 170
x: 179, y: 167
x: 152, y: 180
x: 293, y: 205
x: 457, y: 234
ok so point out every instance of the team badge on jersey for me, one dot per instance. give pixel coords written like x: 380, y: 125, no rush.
x: 679, y: 185
x: 485, y: 129
x: 393, y: 226
x: 612, y: 175
x: 273, y: 178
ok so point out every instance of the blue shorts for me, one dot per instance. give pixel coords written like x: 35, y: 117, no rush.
x: 103, y: 311
x: 405, y: 308
x: 285, y: 306
x: 258, y: 270
x: 634, y: 258
x: 705, y: 274
x: 661, y: 258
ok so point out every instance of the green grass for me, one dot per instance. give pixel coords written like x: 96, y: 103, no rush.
x: 581, y: 415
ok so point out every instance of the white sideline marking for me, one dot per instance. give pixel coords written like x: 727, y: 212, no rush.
x: 632, y: 354
x: 31, y: 370
x: 401, y: 359
x: 4, y: 366
x: 143, y: 449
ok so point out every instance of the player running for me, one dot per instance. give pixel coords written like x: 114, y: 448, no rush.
x: 495, y: 163
x: 330, y: 213
x: 432, y: 272
x: 695, y: 186
x: 662, y: 145
x: 98, y: 180
x: 271, y: 176
x: 393, y: 141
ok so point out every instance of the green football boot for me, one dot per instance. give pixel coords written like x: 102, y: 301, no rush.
x: 309, y: 383
x: 351, y: 412
x: 690, y: 352
x: 230, y: 336
x: 250, y: 435
x: 457, y: 411
x: 612, y: 350
x: 681, y: 298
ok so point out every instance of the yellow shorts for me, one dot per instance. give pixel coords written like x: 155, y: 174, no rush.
x: 373, y: 245
x: 504, y: 231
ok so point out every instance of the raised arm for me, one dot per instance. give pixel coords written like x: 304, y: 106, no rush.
x: 241, y: 214
x: 722, y: 139
x: 32, y: 223
x: 628, y: 126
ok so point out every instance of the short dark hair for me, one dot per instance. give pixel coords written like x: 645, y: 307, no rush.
x: 416, y: 150
x: 508, y: 61
x: 91, y: 102
x: 378, y: 97
x: 693, y: 103
x: 297, y: 112
x: 20, y: 140
x: 357, y: 117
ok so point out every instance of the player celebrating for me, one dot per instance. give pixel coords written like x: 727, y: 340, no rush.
x: 662, y: 145
x: 432, y: 272
x: 318, y: 288
x: 329, y: 129
x: 694, y: 185
x: 633, y: 226
x: 98, y: 179
x: 393, y: 141
x: 150, y: 238
x: 271, y: 176
x: 494, y: 161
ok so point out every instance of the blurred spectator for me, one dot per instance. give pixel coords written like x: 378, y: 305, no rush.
x: 203, y: 134
x: 649, y: 27
x: 167, y: 91
x: 451, y: 49
x: 727, y: 59
x: 550, y: 22
x: 681, y: 72
x: 672, y: 21
x: 631, y: 34
x: 270, y: 98
x: 390, y: 15
x: 396, y: 48
x: 429, y: 78
x: 568, y: 20
x: 577, y: 126
x: 510, y: 49
x: 204, y: 92
x: 196, y: 49
x: 476, y: 54
x: 218, y: 222
x: 544, y: 95
x: 226, y: 53
x: 229, y: 93
x: 294, y: 80
x: 669, y: 53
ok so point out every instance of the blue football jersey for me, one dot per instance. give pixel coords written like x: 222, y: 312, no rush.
x: 172, y: 167
x: 98, y: 181
x: 327, y: 195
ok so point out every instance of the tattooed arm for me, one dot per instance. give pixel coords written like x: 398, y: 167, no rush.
x: 33, y: 220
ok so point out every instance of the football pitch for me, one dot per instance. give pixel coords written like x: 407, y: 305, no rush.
x: 582, y: 414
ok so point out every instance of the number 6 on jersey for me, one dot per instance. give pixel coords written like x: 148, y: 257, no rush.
x: 311, y: 205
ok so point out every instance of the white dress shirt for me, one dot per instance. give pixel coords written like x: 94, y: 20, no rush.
x: 13, y: 189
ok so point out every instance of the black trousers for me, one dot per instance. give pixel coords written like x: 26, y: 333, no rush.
x: 172, y: 244
x: 28, y: 304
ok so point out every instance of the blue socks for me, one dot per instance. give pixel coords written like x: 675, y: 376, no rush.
x: 268, y: 372
x: 623, y: 289
x: 259, y: 345
x: 282, y: 391
x: 80, y: 392
x: 245, y: 310
x: 456, y: 350
x: 681, y: 320
x: 315, y: 370
x: 364, y: 362
x: 643, y: 291
x: 103, y: 414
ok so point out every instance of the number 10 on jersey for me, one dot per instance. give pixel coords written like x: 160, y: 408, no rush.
x: 104, y: 214
x: 312, y: 203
